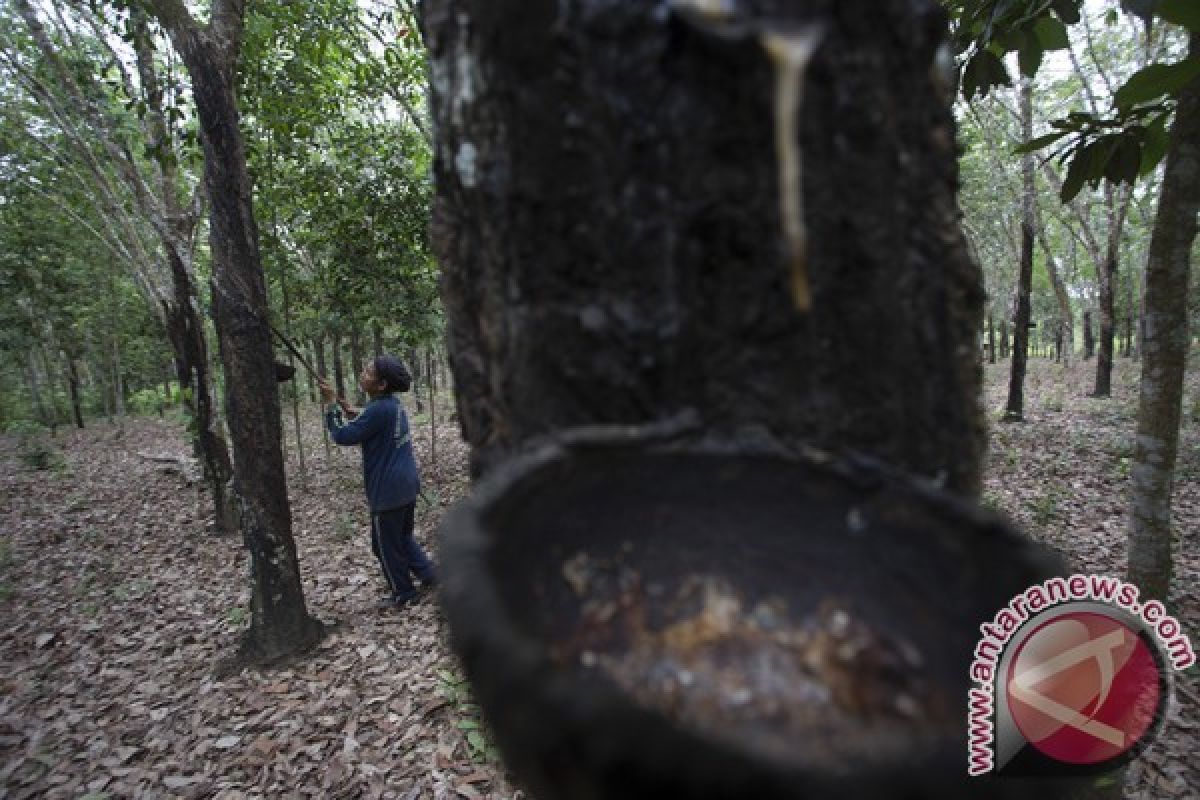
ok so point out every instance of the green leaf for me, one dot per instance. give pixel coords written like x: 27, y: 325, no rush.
x: 1122, y: 166
x: 1051, y: 33
x: 1155, y: 144
x: 1181, y: 12
x: 1077, y: 173
x: 1156, y: 80
x: 1029, y: 55
x: 982, y: 72
x: 1033, y: 145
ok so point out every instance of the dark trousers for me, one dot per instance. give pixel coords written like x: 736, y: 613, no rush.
x: 398, y: 552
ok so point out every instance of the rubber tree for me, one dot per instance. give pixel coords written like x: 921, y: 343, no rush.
x: 647, y: 187
x: 154, y: 188
x: 1014, y: 408
x: 280, y: 623
x: 1165, y: 348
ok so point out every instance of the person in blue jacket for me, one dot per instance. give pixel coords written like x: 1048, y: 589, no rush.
x: 389, y: 473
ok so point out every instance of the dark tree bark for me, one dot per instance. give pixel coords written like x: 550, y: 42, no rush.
x: 73, y: 389
x: 318, y: 346
x: 1104, y: 350
x: 612, y: 245
x: 280, y: 623
x: 1106, y: 274
x: 339, y: 373
x: 1164, y: 357
x: 1004, y: 351
x: 991, y: 334
x: 1014, y: 407
x: 377, y: 339
x: 1089, y: 341
x: 418, y: 377
x: 356, y: 358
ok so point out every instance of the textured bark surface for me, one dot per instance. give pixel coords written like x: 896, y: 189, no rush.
x: 1089, y: 342
x: 608, y: 225
x: 1106, y: 275
x: 1164, y: 354
x: 185, y: 329
x: 280, y: 624
x: 1014, y: 407
x: 73, y: 390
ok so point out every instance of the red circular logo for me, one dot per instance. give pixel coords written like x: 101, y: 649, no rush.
x: 1084, y: 688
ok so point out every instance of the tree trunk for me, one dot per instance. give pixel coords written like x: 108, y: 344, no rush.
x: 432, y: 384
x: 664, y: 277
x: 377, y: 339
x: 318, y: 344
x: 280, y: 623
x: 185, y: 327
x: 1089, y: 342
x: 1104, y: 351
x: 1106, y: 275
x: 117, y: 389
x: 1014, y: 408
x: 418, y: 377
x: 356, y: 359
x: 991, y: 334
x: 339, y: 374
x: 73, y: 389
x: 1164, y: 357
x: 1004, y: 337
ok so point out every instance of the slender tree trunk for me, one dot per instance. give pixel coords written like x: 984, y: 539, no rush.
x: 1004, y: 337
x: 418, y: 376
x: 318, y: 344
x: 356, y: 358
x: 1140, y: 344
x: 432, y: 384
x: 117, y: 389
x: 1164, y: 357
x: 311, y: 379
x: 287, y: 321
x: 1104, y: 350
x: 991, y: 334
x: 72, y: 376
x: 377, y: 339
x: 1107, y: 279
x: 280, y: 623
x: 1014, y: 408
x: 1089, y: 341
x: 339, y: 374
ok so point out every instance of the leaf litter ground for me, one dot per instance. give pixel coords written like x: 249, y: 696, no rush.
x: 118, y: 602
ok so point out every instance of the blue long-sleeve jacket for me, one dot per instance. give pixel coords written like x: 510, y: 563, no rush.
x: 389, y: 468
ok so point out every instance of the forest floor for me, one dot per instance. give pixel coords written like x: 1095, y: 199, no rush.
x: 117, y: 604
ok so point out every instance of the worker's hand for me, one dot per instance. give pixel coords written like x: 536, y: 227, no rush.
x: 327, y: 392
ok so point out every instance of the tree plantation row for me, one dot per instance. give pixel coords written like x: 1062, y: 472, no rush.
x: 191, y: 196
